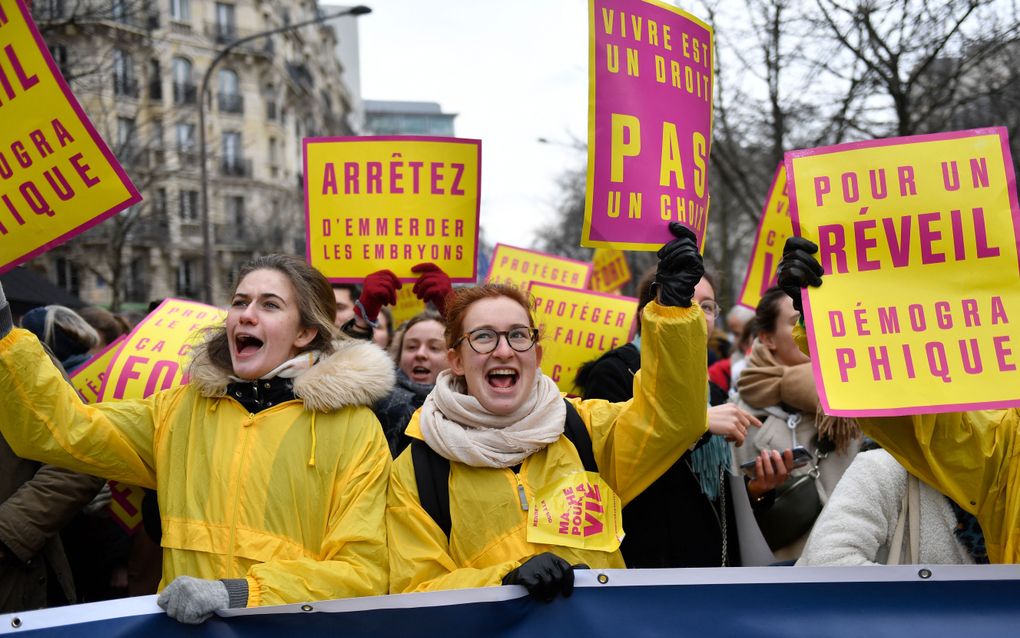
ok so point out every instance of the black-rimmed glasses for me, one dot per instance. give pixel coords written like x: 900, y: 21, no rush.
x: 485, y: 340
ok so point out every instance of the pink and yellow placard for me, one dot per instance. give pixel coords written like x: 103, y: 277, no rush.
x: 579, y: 510
x: 609, y: 270
x: 918, y: 237
x: 57, y: 176
x: 774, y: 227
x: 392, y: 202
x: 88, y: 378
x: 154, y: 355
x: 577, y: 326
x: 649, y: 123
x: 520, y: 267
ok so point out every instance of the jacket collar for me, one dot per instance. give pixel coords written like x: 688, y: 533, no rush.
x: 357, y: 373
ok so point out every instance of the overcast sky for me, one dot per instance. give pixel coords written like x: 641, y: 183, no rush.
x: 512, y: 72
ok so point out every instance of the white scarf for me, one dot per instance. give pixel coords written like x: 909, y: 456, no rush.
x: 289, y: 368
x: 457, y: 427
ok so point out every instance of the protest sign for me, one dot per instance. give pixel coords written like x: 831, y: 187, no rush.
x: 392, y: 202
x: 649, y: 123
x: 774, y: 227
x: 918, y: 239
x: 609, y: 270
x: 153, y: 356
x: 520, y: 267
x: 407, y: 306
x: 88, y: 378
x: 57, y: 176
x: 579, y: 510
x: 577, y: 326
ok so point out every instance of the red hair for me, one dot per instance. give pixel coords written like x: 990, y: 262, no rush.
x: 461, y: 299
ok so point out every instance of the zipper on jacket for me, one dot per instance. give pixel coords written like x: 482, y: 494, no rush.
x: 520, y: 491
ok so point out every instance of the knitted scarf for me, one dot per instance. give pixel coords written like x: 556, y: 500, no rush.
x: 458, y: 428
x: 766, y: 382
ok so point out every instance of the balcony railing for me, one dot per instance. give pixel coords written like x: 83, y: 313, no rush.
x: 126, y: 87
x: 186, y: 93
x: 230, y: 102
x: 235, y: 167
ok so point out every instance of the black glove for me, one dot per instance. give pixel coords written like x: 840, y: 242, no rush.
x: 6, y: 321
x: 544, y: 576
x: 680, y: 267
x: 798, y: 269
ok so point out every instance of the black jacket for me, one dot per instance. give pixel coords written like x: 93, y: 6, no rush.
x: 394, y: 412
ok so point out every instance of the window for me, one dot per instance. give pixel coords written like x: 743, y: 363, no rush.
x: 137, y: 283
x: 186, y: 144
x: 68, y: 276
x: 187, y: 285
x: 230, y: 94
x: 155, y: 80
x: 123, y: 74
x: 180, y: 10
x: 119, y: 11
x: 184, y: 88
x: 272, y: 151
x: 235, y: 213
x: 59, y: 54
x: 159, y: 205
x: 225, y: 22
x: 156, y: 132
x: 125, y: 138
x: 232, y: 164
x: 188, y: 203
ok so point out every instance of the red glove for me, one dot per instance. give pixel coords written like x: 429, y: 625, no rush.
x: 380, y: 289
x: 433, y: 285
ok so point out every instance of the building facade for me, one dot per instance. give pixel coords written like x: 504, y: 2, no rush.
x: 137, y: 67
x: 391, y: 117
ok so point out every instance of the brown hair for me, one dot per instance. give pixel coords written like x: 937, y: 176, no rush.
x: 315, y: 302
x: 397, y: 342
x: 766, y: 315
x: 461, y: 299
x: 108, y: 325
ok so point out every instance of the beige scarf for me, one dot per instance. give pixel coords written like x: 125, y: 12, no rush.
x: 766, y: 382
x: 456, y: 426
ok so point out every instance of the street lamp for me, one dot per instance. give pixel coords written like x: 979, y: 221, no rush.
x: 207, y: 287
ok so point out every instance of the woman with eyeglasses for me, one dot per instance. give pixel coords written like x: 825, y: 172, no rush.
x: 779, y: 388
x: 495, y: 442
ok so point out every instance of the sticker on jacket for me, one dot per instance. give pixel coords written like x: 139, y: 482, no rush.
x: 581, y: 511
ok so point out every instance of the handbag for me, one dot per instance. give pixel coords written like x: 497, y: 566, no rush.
x: 797, y: 503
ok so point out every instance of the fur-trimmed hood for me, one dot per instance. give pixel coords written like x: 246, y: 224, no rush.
x: 357, y: 373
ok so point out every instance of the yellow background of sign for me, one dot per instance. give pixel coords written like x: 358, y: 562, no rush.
x: 536, y: 267
x: 88, y: 379
x: 609, y: 270
x: 773, y: 229
x: 34, y: 109
x: 952, y: 281
x: 386, y: 206
x: 177, y: 323
x: 550, y: 503
x: 408, y: 305
x: 560, y: 359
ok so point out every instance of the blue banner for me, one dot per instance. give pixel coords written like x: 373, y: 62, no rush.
x: 783, y: 602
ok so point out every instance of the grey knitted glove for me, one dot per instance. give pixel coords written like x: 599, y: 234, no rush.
x: 6, y: 322
x: 193, y: 600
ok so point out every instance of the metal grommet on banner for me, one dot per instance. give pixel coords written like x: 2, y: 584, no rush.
x: 15, y: 622
x: 924, y: 573
x: 307, y: 608
x: 603, y: 579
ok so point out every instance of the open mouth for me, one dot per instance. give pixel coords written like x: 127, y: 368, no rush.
x: 502, y: 378
x: 247, y: 344
x: 420, y: 372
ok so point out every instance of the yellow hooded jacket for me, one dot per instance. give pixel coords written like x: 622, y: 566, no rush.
x: 291, y: 498
x: 633, y: 443
x: 971, y: 457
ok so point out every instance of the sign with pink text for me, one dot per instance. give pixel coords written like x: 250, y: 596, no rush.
x: 650, y: 70
x: 376, y: 203
x: 520, y: 267
x: 577, y: 326
x: 919, y: 305
x: 87, y: 379
x: 154, y: 355
x: 774, y: 227
x: 57, y: 176
x: 609, y: 270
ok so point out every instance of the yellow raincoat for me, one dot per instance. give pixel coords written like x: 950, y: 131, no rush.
x: 291, y: 498
x: 971, y: 457
x: 633, y: 443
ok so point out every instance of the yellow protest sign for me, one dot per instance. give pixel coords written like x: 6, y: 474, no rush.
x: 774, y: 227
x: 153, y: 356
x: 126, y: 505
x: 88, y: 378
x: 57, y: 176
x: 581, y: 511
x: 918, y: 239
x: 408, y: 305
x: 520, y: 267
x: 392, y: 202
x: 609, y: 270
x: 576, y: 326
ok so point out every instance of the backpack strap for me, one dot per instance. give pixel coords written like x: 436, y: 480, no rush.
x: 575, y: 430
x: 432, y: 474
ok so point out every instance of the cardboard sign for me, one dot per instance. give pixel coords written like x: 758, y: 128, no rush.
x: 153, y: 356
x: 581, y: 511
x: 88, y: 378
x: 577, y: 326
x: 520, y: 267
x: 774, y: 227
x: 392, y: 202
x: 57, y: 176
x: 609, y: 270
x: 919, y: 306
x: 649, y: 123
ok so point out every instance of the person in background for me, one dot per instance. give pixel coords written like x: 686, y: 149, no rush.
x: 504, y: 433
x: 968, y: 456
x: 383, y: 333
x: 69, y: 337
x: 344, y: 295
x: 380, y: 290
x: 271, y: 472
x: 109, y: 326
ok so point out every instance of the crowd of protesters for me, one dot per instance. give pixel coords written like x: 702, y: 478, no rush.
x: 317, y: 451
